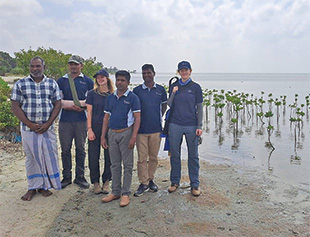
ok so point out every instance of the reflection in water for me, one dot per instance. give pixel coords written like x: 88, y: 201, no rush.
x: 269, y: 158
x: 246, y: 116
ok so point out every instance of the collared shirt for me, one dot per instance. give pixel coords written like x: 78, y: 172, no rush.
x: 36, y: 99
x: 83, y: 84
x: 97, y: 102
x: 184, y: 83
x: 185, y: 103
x: 151, y: 100
x: 121, y: 109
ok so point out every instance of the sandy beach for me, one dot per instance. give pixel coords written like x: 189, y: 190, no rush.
x: 235, y: 201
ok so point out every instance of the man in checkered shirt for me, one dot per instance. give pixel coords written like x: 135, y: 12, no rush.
x: 36, y: 102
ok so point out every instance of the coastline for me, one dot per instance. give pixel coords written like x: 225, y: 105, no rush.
x: 235, y: 201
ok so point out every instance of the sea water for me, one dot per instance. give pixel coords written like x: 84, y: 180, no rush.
x: 288, y: 161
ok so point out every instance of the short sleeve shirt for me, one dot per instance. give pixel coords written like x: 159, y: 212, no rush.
x: 151, y: 100
x: 83, y: 84
x: 121, y: 109
x: 36, y: 99
x: 97, y: 101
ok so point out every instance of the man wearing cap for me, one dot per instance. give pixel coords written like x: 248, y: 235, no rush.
x: 122, y: 116
x: 153, y: 100
x: 72, y: 125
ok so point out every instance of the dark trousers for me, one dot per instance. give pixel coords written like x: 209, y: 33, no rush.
x: 67, y: 132
x: 94, y: 156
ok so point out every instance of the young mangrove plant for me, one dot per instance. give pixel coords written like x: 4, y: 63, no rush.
x: 270, y: 128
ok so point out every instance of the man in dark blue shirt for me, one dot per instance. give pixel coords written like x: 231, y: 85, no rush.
x: 153, y: 99
x: 73, y: 124
x: 122, y: 117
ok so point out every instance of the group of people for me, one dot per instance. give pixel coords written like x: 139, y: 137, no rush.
x: 116, y: 120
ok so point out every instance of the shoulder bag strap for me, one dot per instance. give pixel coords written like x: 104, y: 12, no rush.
x: 73, y: 91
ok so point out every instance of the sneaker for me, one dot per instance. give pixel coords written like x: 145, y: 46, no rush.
x: 106, y: 187
x: 142, y: 188
x: 152, y: 186
x: 65, y: 183
x: 81, y: 181
x: 173, y: 188
x: 195, y: 191
x: 97, y: 188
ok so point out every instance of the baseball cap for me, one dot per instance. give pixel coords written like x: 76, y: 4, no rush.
x: 76, y: 59
x: 102, y: 72
x: 184, y: 64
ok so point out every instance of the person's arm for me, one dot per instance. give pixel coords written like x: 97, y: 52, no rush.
x: 20, y: 114
x: 91, y: 134
x: 171, y: 97
x: 199, y: 116
x: 69, y: 105
x: 106, y: 119
x: 136, y: 126
x: 45, y: 126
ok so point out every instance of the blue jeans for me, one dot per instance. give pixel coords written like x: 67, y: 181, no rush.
x: 175, y: 134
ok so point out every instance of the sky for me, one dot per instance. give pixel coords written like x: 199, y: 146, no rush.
x: 215, y: 36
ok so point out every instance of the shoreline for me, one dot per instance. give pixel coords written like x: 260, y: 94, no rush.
x: 235, y: 201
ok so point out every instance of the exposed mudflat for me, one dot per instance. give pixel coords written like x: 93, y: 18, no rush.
x: 235, y: 201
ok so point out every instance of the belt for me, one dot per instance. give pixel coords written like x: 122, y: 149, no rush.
x: 121, y: 130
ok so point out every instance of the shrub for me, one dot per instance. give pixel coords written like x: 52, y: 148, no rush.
x: 8, y: 121
x: 5, y: 90
x: 17, y: 71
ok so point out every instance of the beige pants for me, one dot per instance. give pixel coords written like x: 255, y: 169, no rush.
x: 148, y: 147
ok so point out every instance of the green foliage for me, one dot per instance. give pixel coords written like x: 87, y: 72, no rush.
x: 91, y: 67
x: 234, y: 120
x: 268, y: 114
x: 220, y: 114
x: 17, y: 71
x: 8, y: 122
x: 7, y: 61
x: 56, y: 61
x: 3, y: 70
x: 270, y: 127
x: 5, y: 90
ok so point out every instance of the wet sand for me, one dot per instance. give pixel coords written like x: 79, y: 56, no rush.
x: 235, y: 201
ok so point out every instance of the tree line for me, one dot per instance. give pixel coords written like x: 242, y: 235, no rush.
x: 56, y: 63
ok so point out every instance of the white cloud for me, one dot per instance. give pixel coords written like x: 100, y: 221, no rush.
x: 216, y: 36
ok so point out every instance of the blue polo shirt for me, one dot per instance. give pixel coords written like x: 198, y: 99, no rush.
x: 83, y: 84
x: 151, y: 100
x: 97, y: 102
x: 121, y: 109
x: 185, y: 104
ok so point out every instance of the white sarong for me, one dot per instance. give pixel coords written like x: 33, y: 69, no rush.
x: 41, y: 160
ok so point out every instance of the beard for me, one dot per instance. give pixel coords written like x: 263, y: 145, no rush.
x: 36, y: 74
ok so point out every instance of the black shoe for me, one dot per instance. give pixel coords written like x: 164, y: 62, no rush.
x: 152, y: 186
x: 81, y: 182
x: 142, y: 188
x: 65, y: 183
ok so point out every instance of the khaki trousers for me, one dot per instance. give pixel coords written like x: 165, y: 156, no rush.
x: 148, y: 147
